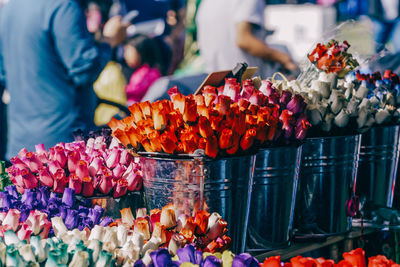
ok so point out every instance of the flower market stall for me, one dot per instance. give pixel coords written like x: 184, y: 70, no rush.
x: 245, y: 172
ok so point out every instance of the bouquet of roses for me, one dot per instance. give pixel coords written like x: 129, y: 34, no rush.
x: 228, y: 120
x: 91, y: 169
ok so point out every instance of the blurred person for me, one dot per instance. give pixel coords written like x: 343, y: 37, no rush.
x: 231, y: 31
x: 385, y: 16
x: 141, y: 54
x: 49, y: 61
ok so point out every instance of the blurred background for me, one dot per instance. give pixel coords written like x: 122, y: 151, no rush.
x: 170, y: 42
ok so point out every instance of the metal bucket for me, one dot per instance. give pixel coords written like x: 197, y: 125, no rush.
x: 327, y: 176
x: 379, y: 156
x: 273, y: 198
x: 221, y: 186
x: 112, y: 206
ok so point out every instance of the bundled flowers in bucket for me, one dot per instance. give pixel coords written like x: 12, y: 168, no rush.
x: 331, y: 58
x: 91, y: 169
x: 354, y: 258
x: 229, y: 120
x: 29, y: 214
x: 340, y: 105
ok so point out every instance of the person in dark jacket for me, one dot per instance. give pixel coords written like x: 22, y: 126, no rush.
x: 385, y: 16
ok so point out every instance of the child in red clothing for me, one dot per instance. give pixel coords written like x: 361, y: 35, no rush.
x: 141, y: 53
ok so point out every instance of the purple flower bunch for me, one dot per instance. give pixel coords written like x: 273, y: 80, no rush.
x: 76, y: 213
x: 189, y: 255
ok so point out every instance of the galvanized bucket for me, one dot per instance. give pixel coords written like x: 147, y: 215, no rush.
x: 379, y: 156
x: 327, y: 176
x: 222, y: 186
x: 273, y: 198
x: 112, y: 206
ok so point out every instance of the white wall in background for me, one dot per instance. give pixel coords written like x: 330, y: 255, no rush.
x: 298, y: 26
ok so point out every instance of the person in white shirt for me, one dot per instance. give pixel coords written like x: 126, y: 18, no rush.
x: 231, y: 31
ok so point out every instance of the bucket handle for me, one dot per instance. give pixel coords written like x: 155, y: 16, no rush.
x: 273, y: 80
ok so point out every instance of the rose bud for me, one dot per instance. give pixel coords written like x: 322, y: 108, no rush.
x: 217, y: 229
x: 190, y: 111
x: 314, y: 114
x: 155, y: 216
x: 167, y: 143
x: 355, y: 257
x: 125, y: 158
x: 177, y: 241
x: 248, y: 139
x: 243, y: 104
x: 127, y: 217
x: 82, y: 169
x: 60, y: 156
x: 141, y: 212
x: 177, y: 99
x: 12, y: 219
x: 24, y: 233
x: 235, y: 144
x: 121, y: 188
x: 45, y: 226
x: 287, y: 119
x: 203, y: 111
x: 18, y: 163
x: 256, y: 98
x: 142, y: 226
x: 136, y: 114
x: 205, y: 129
x: 87, y: 186
x: 285, y: 98
x: 212, y: 146
x: 224, y: 103
x: 72, y: 162
x: 75, y: 183
x: 382, y: 116
x: 113, y: 158
x: 45, y: 177
x: 209, y: 94
x: 118, y: 171
x: 159, y: 118
x: 327, y: 123
x: 266, y: 87
x: 342, y: 119
x: 105, y: 184
x: 231, y: 89
x: 60, y: 181
x: 122, y: 137
x: 155, y: 142
x: 29, y: 179
x: 159, y: 231
x: 168, y: 218
x: 135, y: 180
x: 248, y: 88
x: 200, y: 101
x: 226, y: 139
x: 202, y: 143
x: 95, y: 166
x: 302, y: 126
x: 33, y: 162
x: 296, y: 105
x: 147, y: 146
x: 201, y: 220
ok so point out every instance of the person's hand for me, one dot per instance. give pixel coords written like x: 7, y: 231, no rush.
x: 115, y: 31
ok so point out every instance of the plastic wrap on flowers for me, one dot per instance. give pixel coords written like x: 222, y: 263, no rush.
x: 91, y: 169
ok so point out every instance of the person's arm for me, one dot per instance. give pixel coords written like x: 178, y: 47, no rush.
x: 251, y: 44
x: 82, y: 57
